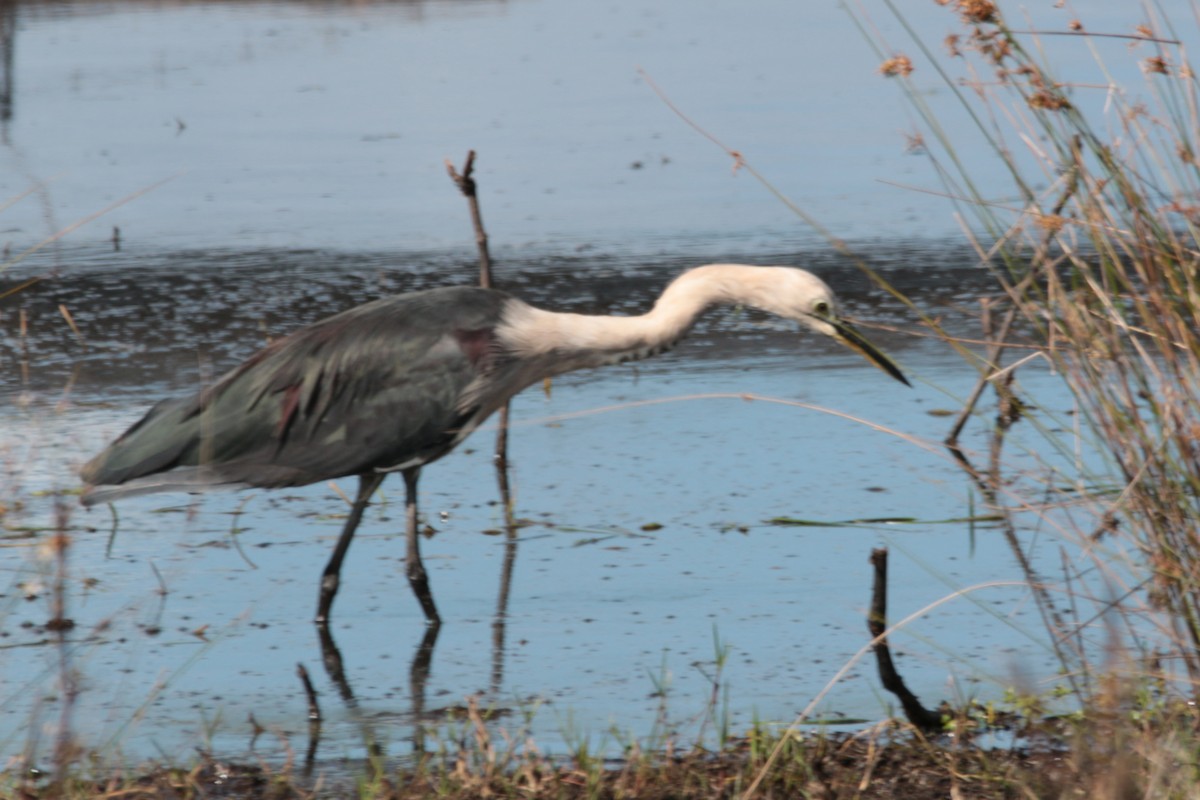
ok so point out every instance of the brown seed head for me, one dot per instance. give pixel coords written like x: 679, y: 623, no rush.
x: 977, y: 11
x: 1048, y: 100
x: 1156, y: 64
x: 1051, y: 223
x: 900, y: 65
x: 1191, y: 213
x: 996, y: 49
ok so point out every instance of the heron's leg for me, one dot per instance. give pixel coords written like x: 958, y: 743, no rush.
x: 416, y: 570
x: 367, y: 484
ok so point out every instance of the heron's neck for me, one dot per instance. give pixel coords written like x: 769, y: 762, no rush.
x: 588, y: 340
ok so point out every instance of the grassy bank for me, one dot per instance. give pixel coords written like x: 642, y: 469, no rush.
x: 887, y: 761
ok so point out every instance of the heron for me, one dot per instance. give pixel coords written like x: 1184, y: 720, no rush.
x: 396, y: 383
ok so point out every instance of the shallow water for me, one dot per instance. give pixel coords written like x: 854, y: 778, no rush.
x: 326, y: 125
x: 606, y: 607
x: 303, y: 144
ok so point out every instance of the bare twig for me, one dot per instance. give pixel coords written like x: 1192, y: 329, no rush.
x: 465, y: 182
x: 1137, y: 37
x: 917, y: 714
x: 420, y: 668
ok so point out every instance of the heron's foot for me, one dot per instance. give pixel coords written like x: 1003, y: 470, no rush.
x: 419, y: 582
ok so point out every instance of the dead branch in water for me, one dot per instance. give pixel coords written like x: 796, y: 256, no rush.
x: 917, y: 714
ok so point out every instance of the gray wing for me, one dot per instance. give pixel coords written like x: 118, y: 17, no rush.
x: 371, y: 388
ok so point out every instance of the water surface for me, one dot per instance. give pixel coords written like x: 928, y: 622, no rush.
x: 302, y: 147
x: 647, y: 491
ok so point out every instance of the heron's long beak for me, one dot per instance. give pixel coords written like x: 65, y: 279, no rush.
x: 845, y: 333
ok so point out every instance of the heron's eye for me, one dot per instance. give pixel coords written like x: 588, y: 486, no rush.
x: 821, y: 308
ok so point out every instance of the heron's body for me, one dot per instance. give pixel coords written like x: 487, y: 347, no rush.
x: 379, y: 387
x: 396, y: 383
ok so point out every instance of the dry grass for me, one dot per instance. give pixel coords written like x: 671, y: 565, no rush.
x: 1100, y: 272
x: 889, y: 761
